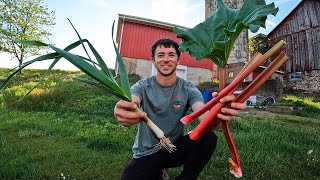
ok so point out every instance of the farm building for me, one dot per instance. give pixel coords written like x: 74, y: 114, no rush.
x: 135, y: 36
x: 301, y: 30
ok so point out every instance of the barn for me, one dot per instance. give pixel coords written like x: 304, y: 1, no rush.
x: 135, y: 36
x: 301, y: 30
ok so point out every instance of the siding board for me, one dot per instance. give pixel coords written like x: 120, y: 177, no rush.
x: 301, y: 30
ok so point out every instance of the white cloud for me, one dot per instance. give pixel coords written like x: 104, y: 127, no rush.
x: 176, y: 11
x: 172, y: 11
x: 270, y: 24
x: 196, y: 6
x: 280, y: 2
x: 102, y: 3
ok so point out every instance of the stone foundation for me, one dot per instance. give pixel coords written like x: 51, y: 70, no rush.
x: 308, y: 84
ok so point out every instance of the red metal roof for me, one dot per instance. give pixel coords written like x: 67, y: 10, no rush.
x: 136, y: 35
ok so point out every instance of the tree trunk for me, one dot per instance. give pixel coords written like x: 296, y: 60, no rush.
x: 20, y: 63
x: 225, y: 124
x: 222, y: 77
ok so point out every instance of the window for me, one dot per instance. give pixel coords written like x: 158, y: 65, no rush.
x: 230, y: 74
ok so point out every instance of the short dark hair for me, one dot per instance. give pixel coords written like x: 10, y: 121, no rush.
x: 166, y: 42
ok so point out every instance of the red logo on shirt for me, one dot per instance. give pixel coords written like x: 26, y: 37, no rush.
x: 177, y: 102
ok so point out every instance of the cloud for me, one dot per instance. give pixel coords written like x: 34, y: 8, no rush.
x: 180, y: 12
x: 280, y: 2
x: 101, y: 3
x: 270, y: 24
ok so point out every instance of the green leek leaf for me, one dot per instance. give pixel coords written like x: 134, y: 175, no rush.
x: 90, y: 70
x: 40, y: 58
x: 123, y: 72
x: 84, y: 48
x: 102, y: 79
x: 99, y: 85
x: 49, y: 56
x: 100, y: 61
x: 42, y: 77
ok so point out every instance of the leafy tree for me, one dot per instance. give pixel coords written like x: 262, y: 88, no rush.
x: 259, y: 43
x: 22, y: 20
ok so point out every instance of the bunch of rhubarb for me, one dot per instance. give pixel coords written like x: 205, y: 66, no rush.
x: 210, y: 121
x: 214, y: 39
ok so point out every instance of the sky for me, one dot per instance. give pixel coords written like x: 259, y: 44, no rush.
x: 93, y: 20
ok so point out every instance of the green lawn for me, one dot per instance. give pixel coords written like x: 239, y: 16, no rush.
x: 66, y: 130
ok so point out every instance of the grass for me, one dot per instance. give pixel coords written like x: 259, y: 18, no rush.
x: 310, y: 106
x: 66, y: 130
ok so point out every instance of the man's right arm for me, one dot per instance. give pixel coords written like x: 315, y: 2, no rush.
x: 124, y: 112
x: 226, y: 113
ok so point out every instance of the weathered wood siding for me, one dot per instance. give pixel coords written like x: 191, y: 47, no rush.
x: 301, y: 31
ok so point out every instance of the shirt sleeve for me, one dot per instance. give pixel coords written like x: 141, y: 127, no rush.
x: 136, y: 90
x: 194, y: 95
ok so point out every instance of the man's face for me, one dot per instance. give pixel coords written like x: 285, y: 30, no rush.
x: 165, y: 60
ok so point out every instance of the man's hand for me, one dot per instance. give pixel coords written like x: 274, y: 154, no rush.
x: 229, y: 113
x: 125, y: 114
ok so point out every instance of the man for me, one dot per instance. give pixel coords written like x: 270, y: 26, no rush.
x: 165, y: 99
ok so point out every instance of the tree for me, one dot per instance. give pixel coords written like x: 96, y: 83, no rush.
x: 259, y: 43
x: 22, y: 20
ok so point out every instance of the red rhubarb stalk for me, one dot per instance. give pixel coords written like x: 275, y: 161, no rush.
x: 257, y: 82
x: 188, y: 118
x: 253, y: 60
x: 233, y: 85
x: 234, y: 162
x: 207, y: 120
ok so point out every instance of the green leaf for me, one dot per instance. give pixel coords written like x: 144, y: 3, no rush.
x: 40, y: 58
x: 99, y: 85
x: 33, y: 43
x: 84, y: 48
x: 123, y: 72
x: 101, y: 63
x: 215, y: 37
x: 92, y: 71
x: 43, y: 77
x: 49, y: 56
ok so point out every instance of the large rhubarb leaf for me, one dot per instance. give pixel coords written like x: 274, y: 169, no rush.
x: 215, y: 37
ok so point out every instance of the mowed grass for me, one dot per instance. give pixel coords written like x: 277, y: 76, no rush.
x: 66, y: 130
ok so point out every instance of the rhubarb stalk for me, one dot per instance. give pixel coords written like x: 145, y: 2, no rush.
x: 206, y: 121
x: 215, y: 37
x: 232, y: 86
x: 234, y: 162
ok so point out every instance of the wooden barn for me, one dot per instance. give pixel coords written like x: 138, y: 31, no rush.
x: 301, y: 30
x: 135, y: 36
